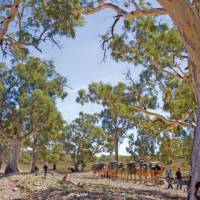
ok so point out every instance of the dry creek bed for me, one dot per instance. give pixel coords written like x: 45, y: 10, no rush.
x: 80, y: 186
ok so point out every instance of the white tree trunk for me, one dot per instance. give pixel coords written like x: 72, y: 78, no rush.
x: 13, y: 156
x: 195, y: 158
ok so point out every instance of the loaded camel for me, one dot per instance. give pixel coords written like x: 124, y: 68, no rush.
x: 114, y: 170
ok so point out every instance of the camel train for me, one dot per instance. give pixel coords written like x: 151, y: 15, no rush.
x: 144, y: 172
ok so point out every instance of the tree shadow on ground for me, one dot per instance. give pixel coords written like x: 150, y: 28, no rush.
x: 72, y: 192
x: 2, y: 175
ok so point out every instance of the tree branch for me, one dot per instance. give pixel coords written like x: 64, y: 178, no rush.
x: 122, y: 13
x: 110, y: 38
x: 167, y: 121
x: 13, y: 13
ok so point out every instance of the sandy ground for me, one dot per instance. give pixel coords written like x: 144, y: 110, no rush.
x: 83, y: 186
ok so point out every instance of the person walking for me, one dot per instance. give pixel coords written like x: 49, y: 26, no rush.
x: 170, y: 179
x: 179, y: 179
x: 54, y: 167
x: 36, y: 170
x: 45, y: 167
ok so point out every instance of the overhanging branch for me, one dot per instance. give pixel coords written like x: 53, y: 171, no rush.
x: 87, y: 10
x: 167, y: 121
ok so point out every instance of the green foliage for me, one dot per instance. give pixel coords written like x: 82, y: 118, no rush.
x: 115, y: 119
x: 56, y: 153
x: 39, y: 21
x: 28, y: 91
x: 164, y: 65
x: 83, y: 139
x: 28, y: 99
x: 143, y: 146
x: 175, y: 147
x: 165, y: 85
x: 25, y: 157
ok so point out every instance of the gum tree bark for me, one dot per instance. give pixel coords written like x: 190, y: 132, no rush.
x: 13, y: 156
x: 187, y: 21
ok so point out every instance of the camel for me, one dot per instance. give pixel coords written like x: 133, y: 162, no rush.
x: 143, y: 171
x: 121, y: 171
x: 156, y: 170
x: 99, y: 169
x: 112, y: 169
x: 131, y: 169
x: 116, y: 170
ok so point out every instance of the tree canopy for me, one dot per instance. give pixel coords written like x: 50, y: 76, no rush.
x: 28, y: 93
x: 82, y: 139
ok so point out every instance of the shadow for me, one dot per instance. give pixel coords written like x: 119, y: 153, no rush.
x: 93, y: 192
x: 2, y: 175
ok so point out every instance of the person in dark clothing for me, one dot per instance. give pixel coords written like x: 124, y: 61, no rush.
x: 45, y: 167
x: 179, y: 178
x: 188, y: 187
x: 54, y: 167
x: 36, y: 170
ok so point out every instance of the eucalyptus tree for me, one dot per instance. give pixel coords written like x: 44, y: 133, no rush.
x: 56, y: 152
x: 45, y: 137
x: 52, y: 152
x: 27, y: 23
x: 116, y: 127
x: 82, y: 139
x: 177, y: 146
x: 28, y: 93
x: 143, y: 146
x: 114, y: 120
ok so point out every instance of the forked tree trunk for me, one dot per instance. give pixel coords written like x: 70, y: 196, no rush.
x: 13, y: 156
x: 187, y: 21
x: 116, y: 143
